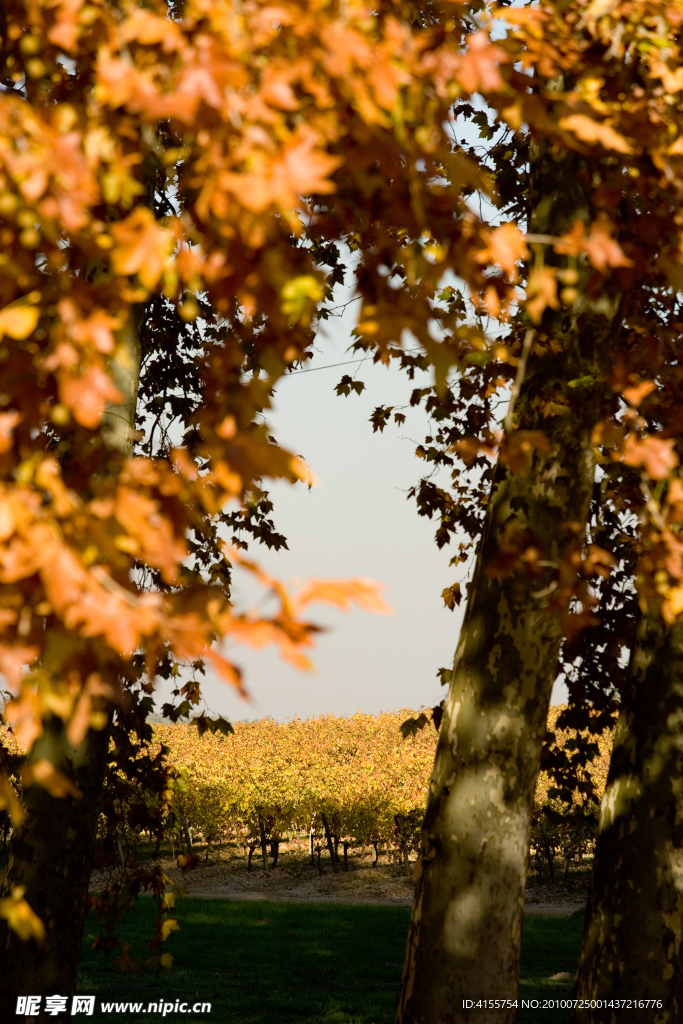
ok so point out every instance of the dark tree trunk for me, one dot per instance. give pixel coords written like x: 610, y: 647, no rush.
x: 330, y: 846
x: 548, y: 852
x: 346, y: 856
x: 634, y: 923
x: 275, y: 850
x: 51, y: 857
x: 264, y: 844
x: 466, y: 926
x: 186, y: 830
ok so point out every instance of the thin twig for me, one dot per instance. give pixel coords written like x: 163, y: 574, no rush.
x: 519, y: 379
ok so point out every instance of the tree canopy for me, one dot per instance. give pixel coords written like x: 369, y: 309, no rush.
x: 181, y: 187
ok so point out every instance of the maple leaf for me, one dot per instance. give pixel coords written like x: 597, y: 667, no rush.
x: 541, y: 292
x: 88, y: 394
x: 143, y: 247
x: 506, y: 246
x: 596, y: 133
x: 636, y: 393
x: 8, y: 421
x: 344, y: 594
x: 452, y: 596
x: 20, y: 916
x: 603, y: 251
x: 656, y: 454
x: 478, y: 66
x: 18, y: 321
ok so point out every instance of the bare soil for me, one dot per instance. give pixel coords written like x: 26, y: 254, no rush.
x: 296, y: 879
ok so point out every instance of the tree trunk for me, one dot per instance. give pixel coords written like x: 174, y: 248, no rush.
x: 275, y: 850
x: 186, y: 831
x: 330, y: 846
x: 634, y: 922
x: 51, y: 857
x: 466, y: 925
x: 346, y: 856
x: 548, y: 852
x: 264, y: 844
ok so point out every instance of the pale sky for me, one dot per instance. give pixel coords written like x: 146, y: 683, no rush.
x: 356, y: 521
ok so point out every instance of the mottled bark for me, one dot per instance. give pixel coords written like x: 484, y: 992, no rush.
x: 466, y: 924
x: 51, y: 857
x: 632, y: 940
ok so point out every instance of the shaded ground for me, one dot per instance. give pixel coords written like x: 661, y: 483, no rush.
x: 267, y: 962
x: 295, y: 879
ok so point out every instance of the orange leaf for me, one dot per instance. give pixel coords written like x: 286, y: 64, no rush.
x: 595, y: 133
x: 8, y: 421
x: 506, y: 246
x: 541, y: 292
x: 478, y: 67
x: 88, y: 395
x: 143, y: 247
x: 603, y: 251
x: 343, y: 594
x: 656, y: 454
x: 637, y: 392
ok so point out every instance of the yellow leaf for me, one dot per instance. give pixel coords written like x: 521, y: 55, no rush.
x: 298, y: 293
x: 167, y: 960
x: 19, y: 916
x: 18, y: 321
x: 169, y: 926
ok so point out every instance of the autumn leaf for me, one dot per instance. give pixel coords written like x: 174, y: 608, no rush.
x: 636, y: 393
x: 20, y: 917
x: 603, y: 250
x: 595, y: 133
x: 43, y: 773
x: 8, y: 421
x: 478, y: 66
x: 506, y: 246
x: 343, y: 594
x: 170, y: 925
x: 655, y: 454
x: 541, y: 292
x: 452, y: 596
x: 18, y: 321
x: 87, y: 395
x: 142, y: 247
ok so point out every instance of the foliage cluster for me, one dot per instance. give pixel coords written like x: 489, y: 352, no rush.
x: 359, y: 772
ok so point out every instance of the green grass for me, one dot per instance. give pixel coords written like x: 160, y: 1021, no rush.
x: 292, y: 963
